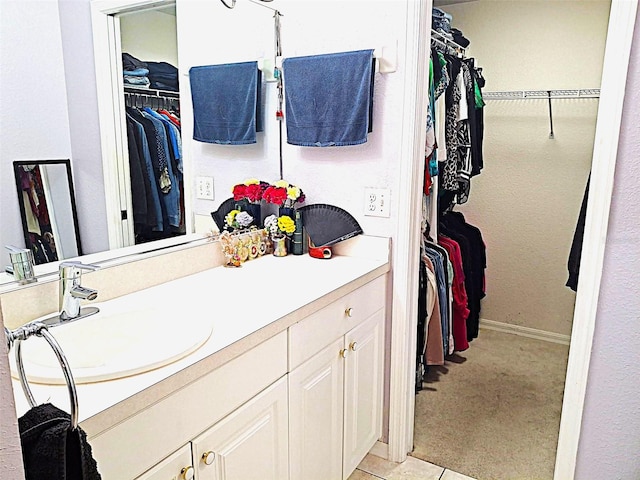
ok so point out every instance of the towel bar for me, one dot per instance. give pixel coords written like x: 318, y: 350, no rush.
x: 41, y: 330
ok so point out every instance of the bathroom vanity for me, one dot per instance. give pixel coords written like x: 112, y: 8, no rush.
x: 289, y: 384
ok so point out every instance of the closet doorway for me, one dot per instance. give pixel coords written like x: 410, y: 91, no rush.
x: 526, y: 202
x: 146, y: 30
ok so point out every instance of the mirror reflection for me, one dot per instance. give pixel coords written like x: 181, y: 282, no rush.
x: 47, y: 209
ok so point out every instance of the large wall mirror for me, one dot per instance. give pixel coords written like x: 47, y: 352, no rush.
x: 47, y: 209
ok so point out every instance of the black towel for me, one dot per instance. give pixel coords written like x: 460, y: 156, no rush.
x: 51, y: 450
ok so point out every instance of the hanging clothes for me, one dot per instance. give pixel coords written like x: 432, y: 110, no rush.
x: 575, y: 254
x: 455, y: 127
x: 459, y: 295
x: 155, y: 161
x: 473, y: 250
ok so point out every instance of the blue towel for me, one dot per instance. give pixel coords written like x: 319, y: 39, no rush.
x: 226, y: 103
x: 328, y: 98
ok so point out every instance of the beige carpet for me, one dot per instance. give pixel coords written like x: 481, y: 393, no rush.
x: 493, y: 411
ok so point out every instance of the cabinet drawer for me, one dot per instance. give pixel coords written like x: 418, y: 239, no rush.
x: 318, y: 330
x: 135, y: 445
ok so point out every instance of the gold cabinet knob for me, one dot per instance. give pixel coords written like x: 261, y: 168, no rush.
x: 349, y: 312
x: 353, y: 346
x: 208, y: 457
x: 186, y: 473
x: 344, y: 352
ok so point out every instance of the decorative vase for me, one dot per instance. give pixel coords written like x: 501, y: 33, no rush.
x: 253, y: 209
x: 279, y: 246
x: 288, y: 211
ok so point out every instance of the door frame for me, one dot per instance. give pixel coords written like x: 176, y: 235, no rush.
x: 113, y: 129
x: 622, y: 19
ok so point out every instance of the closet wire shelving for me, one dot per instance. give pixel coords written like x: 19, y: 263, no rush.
x: 544, y: 95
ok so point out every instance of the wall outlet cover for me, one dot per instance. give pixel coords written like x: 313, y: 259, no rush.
x: 204, y: 188
x: 377, y: 202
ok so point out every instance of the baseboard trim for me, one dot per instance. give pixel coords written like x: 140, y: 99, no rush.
x: 525, y: 331
x: 381, y: 450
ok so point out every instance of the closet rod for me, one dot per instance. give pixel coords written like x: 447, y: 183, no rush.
x: 149, y: 92
x: 446, y: 41
x: 542, y: 94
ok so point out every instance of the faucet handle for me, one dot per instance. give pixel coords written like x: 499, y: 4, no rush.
x: 21, y: 264
x: 76, y: 265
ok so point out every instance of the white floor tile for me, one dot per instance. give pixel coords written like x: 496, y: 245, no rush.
x: 449, y: 475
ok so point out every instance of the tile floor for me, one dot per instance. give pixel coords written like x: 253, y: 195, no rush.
x: 376, y: 468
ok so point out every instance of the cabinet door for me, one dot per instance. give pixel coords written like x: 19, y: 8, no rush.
x: 250, y: 443
x: 315, y: 416
x: 363, y: 393
x: 176, y: 466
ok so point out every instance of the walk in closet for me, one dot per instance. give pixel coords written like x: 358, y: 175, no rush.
x: 522, y: 159
x: 153, y: 174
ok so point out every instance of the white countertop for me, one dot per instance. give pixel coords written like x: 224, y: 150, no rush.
x: 245, y: 306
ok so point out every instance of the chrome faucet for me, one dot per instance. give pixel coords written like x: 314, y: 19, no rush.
x: 72, y: 291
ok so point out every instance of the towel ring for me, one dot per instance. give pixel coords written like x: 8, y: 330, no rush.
x: 41, y: 330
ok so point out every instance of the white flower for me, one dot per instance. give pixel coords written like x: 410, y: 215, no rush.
x: 271, y: 224
x: 244, y: 219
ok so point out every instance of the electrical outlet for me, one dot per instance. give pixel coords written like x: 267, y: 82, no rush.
x: 376, y: 202
x: 204, y: 188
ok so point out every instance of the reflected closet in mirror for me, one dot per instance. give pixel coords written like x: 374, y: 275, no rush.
x: 47, y: 209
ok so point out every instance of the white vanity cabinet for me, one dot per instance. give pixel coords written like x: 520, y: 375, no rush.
x: 304, y: 403
x: 140, y: 446
x: 335, y: 386
x: 250, y: 443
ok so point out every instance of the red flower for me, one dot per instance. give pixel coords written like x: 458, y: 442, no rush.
x: 239, y: 192
x: 275, y: 195
x: 254, y: 192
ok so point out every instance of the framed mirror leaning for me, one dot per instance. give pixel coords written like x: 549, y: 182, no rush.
x: 47, y: 209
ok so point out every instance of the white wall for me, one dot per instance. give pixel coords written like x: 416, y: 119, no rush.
x: 527, y: 199
x: 335, y: 175
x: 610, y: 439
x: 35, y: 120
x: 86, y: 154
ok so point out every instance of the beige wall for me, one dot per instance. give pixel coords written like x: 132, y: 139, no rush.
x: 527, y: 199
x: 150, y: 36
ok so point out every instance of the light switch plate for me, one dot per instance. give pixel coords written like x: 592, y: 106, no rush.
x: 204, y: 188
x: 377, y: 202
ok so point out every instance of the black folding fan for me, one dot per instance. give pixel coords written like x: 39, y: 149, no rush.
x: 222, y: 211
x: 328, y: 224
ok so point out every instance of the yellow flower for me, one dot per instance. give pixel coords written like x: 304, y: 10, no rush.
x: 231, y: 217
x: 293, y: 192
x: 251, y: 181
x: 282, y: 184
x: 286, y: 224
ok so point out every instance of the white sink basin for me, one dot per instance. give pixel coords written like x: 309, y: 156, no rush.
x: 119, y: 341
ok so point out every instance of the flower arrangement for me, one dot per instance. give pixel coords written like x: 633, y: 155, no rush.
x: 279, y: 226
x: 252, y: 189
x: 283, y: 194
x: 236, y: 219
